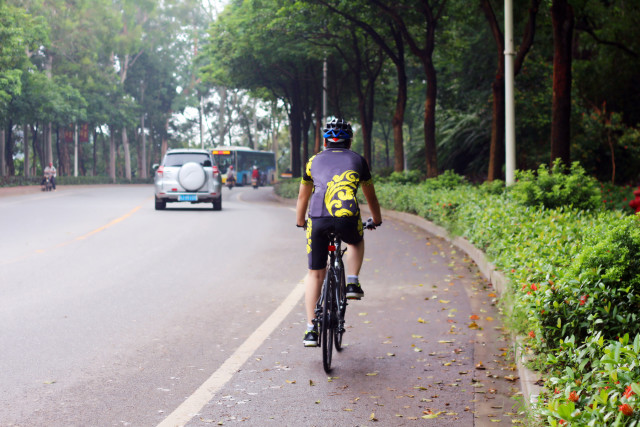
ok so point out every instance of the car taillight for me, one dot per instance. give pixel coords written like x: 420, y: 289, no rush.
x: 216, y: 171
x: 160, y: 170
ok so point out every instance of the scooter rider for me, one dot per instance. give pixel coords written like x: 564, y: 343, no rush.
x: 230, y: 175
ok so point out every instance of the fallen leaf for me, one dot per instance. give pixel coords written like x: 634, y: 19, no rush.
x: 311, y: 383
x: 291, y: 381
x: 489, y: 319
x: 510, y: 377
x: 473, y: 325
x: 416, y: 336
x: 445, y: 342
x: 362, y: 314
x: 372, y: 374
x: 444, y: 301
x: 474, y: 317
x: 317, y: 402
x: 391, y: 354
x: 372, y: 417
x: 348, y: 409
x: 480, y: 366
x: 421, y: 320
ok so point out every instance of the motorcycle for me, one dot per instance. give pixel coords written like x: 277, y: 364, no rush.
x: 254, y: 182
x: 231, y: 182
x: 47, y: 185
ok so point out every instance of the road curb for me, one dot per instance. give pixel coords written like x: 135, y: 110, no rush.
x: 528, y: 378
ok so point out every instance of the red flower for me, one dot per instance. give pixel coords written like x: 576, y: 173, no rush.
x: 534, y: 287
x: 628, y: 392
x: 556, y: 391
x: 573, y: 396
x: 583, y: 299
x: 562, y: 422
x: 626, y: 409
x: 532, y: 334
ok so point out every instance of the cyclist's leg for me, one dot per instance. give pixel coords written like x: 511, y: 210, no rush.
x: 312, y: 285
x: 352, y: 234
x: 354, y: 258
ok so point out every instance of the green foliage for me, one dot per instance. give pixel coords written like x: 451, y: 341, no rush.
x: 404, y: 177
x: 556, y: 187
x: 17, y: 181
x: 590, y: 383
x: 287, y: 188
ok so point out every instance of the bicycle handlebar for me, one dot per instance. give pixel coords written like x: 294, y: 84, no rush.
x: 368, y: 224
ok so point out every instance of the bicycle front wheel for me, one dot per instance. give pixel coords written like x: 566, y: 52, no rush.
x: 327, y: 326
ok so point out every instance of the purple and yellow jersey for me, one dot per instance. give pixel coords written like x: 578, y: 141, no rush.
x: 335, y: 175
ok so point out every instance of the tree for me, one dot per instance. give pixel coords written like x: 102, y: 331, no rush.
x: 385, y: 32
x: 563, y: 22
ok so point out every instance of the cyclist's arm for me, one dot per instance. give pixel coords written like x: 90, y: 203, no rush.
x: 303, y: 201
x: 369, y: 192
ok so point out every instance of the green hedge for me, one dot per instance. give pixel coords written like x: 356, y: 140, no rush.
x: 16, y: 181
x: 573, y: 261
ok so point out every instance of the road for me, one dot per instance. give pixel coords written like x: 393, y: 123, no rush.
x: 113, y: 313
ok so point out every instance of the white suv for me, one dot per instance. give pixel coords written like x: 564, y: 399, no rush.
x: 188, y: 175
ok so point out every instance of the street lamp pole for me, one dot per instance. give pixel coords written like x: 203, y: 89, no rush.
x: 510, y: 118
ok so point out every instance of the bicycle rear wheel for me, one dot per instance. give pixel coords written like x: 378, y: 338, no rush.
x: 341, y: 308
x: 327, y: 326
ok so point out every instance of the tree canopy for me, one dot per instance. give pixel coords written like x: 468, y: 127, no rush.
x: 421, y: 80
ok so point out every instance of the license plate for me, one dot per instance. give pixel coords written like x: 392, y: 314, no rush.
x: 187, y: 198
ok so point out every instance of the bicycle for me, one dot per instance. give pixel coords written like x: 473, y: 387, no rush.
x: 332, y: 304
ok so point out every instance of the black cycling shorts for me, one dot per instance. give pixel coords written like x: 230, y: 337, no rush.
x: 349, y: 229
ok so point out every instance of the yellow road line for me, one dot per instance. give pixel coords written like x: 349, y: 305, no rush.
x: 68, y: 242
x: 112, y: 223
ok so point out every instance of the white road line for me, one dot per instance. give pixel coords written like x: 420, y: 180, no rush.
x: 203, y: 395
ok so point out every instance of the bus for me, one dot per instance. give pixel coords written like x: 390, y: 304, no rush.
x: 243, y: 160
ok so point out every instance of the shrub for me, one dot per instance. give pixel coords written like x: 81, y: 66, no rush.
x: 287, y: 188
x: 555, y: 188
x: 591, y: 383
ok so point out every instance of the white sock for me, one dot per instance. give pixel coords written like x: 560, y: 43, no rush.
x: 352, y: 279
x: 309, y: 327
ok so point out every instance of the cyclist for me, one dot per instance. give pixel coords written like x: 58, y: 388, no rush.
x: 330, y: 183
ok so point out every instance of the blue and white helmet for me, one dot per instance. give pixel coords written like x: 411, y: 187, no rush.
x: 338, y: 131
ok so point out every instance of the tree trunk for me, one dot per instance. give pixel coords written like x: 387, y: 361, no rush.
x: 430, y: 119
x: 165, y: 143
x: 295, y: 122
x: 112, y: 155
x: 8, y: 149
x: 127, y: 154
x: 25, y: 143
x: 563, y: 21
x: 318, y: 134
x: 398, y: 119
x: 143, y: 151
x: 221, y: 114
x: 3, y: 169
x: 497, y: 148
x: 95, y: 154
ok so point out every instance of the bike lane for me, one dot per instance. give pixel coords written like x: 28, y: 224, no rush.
x: 425, y: 345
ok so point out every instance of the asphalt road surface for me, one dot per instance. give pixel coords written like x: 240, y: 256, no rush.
x: 114, y: 314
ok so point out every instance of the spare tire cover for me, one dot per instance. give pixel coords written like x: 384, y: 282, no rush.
x: 191, y: 176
